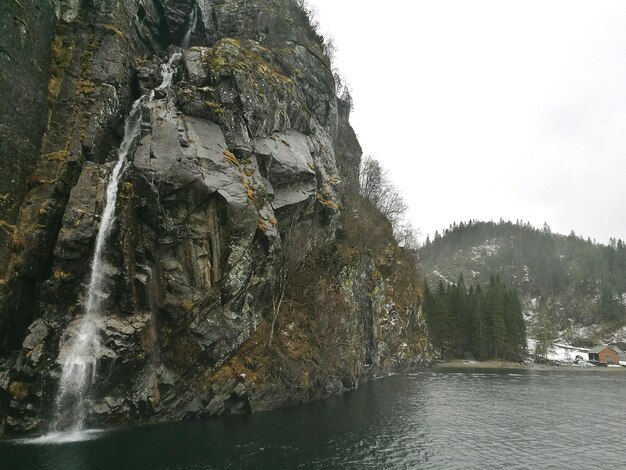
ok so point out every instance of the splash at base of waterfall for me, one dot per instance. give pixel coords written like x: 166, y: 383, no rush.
x: 61, y: 437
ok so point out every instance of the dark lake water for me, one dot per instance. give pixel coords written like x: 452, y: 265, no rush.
x: 569, y: 419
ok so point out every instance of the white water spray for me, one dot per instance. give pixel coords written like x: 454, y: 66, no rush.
x: 167, y: 73
x: 191, y: 25
x: 81, y: 360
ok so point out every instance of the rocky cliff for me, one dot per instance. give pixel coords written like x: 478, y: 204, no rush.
x: 238, y: 277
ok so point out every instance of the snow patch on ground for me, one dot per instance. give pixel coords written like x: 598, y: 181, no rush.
x: 529, y: 310
x: 561, y: 352
x: 617, y: 337
x: 441, y: 276
x: 489, y: 248
x: 583, y: 331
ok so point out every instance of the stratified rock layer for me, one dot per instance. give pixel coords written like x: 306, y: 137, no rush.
x: 243, y: 273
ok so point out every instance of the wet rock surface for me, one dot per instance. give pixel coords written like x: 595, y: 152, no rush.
x: 230, y: 227
x: 26, y: 31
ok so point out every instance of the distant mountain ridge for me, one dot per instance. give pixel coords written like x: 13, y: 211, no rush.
x: 581, y: 283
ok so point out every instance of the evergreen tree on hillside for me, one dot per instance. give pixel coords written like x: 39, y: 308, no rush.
x: 610, y: 307
x: 587, y: 278
x: 494, y: 306
x: 479, y: 342
x: 515, y: 325
x: 484, y: 324
x: 544, y: 330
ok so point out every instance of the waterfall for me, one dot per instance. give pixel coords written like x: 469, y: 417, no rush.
x: 167, y: 73
x: 152, y: 292
x: 79, y: 366
x: 191, y: 24
x: 131, y: 129
x: 80, y: 362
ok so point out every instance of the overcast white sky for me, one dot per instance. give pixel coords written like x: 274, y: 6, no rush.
x: 484, y: 109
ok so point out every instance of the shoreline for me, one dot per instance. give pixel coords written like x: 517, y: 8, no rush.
x: 494, y: 364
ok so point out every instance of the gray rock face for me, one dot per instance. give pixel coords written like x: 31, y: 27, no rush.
x: 208, y: 215
x: 26, y: 30
x: 288, y: 166
x: 244, y: 152
x: 38, y: 332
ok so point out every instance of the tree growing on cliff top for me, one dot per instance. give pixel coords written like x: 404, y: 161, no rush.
x: 375, y: 186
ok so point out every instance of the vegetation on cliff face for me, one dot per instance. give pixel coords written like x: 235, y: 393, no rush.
x: 376, y: 187
x: 580, y: 283
x: 349, y: 313
x: 244, y: 271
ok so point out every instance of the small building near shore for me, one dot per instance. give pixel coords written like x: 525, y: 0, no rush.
x: 604, y: 354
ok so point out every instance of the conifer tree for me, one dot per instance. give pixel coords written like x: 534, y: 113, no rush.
x: 544, y: 330
x: 485, y: 324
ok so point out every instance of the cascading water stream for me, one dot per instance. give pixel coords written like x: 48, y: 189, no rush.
x: 80, y: 362
x: 167, y: 73
x: 191, y: 24
x: 79, y: 366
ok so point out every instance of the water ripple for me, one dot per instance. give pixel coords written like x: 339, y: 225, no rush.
x: 427, y: 420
